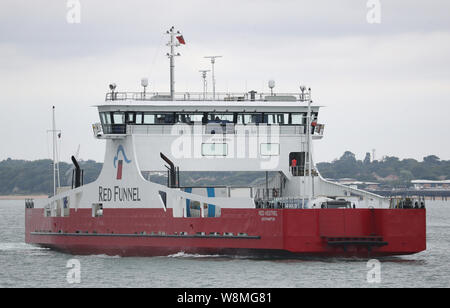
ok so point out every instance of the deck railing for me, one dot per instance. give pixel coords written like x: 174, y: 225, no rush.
x: 199, y: 96
x: 229, y: 129
x: 115, y: 129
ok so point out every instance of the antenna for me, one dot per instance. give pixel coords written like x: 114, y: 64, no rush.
x: 213, y: 60
x: 205, y: 83
x: 144, y: 84
x: 172, y: 43
x: 113, y: 87
x: 303, y: 89
x: 271, y: 85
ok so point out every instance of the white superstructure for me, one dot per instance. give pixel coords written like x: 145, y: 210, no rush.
x: 171, y: 133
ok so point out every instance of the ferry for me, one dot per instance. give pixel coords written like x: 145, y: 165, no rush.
x: 287, y: 209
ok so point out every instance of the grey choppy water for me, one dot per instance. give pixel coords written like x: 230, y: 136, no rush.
x: 23, y: 265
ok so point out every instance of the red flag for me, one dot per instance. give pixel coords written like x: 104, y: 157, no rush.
x: 181, y: 40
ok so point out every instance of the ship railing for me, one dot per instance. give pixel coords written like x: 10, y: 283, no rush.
x: 115, y: 129
x: 183, y: 128
x: 303, y: 170
x: 174, y: 129
x: 318, y: 130
x: 407, y: 203
x: 282, y: 203
x: 200, y: 96
x: 98, y: 129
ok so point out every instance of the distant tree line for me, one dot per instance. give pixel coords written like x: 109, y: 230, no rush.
x: 390, y: 170
x: 21, y: 177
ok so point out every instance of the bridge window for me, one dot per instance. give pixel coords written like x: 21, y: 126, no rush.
x: 149, y: 118
x: 160, y: 118
x: 130, y: 118
x: 102, y: 118
x: 105, y: 117
x: 276, y: 118
x: 224, y: 118
x: 119, y: 118
x: 138, y: 118
x: 166, y: 118
x: 298, y: 118
x: 113, y: 122
x: 249, y: 118
x: 189, y: 118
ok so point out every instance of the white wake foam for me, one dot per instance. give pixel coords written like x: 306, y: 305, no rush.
x: 19, y: 246
x: 182, y: 254
x: 104, y: 256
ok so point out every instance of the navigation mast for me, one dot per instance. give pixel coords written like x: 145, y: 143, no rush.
x: 56, y: 177
x: 205, y: 83
x: 173, y: 43
x: 213, y: 60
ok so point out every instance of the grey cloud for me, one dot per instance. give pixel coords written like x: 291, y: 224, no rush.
x: 106, y: 25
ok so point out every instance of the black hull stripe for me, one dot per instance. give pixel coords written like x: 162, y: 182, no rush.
x: 248, y: 237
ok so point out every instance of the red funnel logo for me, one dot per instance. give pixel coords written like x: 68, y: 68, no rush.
x: 119, y: 169
x: 118, y: 163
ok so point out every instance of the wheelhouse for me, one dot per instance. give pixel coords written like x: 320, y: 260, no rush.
x: 115, y: 119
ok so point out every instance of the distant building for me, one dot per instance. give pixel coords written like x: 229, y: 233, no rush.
x: 428, y: 184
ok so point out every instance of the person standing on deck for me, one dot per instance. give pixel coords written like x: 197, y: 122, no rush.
x: 294, y: 166
x: 313, y: 124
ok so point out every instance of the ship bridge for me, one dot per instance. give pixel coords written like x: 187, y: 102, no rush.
x: 132, y: 112
x: 204, y: 131
x: 243, y: 129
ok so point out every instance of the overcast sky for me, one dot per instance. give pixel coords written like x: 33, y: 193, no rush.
x: 386, y: 86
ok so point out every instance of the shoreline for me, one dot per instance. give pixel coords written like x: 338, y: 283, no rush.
x: 23, y: 197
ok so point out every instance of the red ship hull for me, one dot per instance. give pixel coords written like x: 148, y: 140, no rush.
x: 153, y: 232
